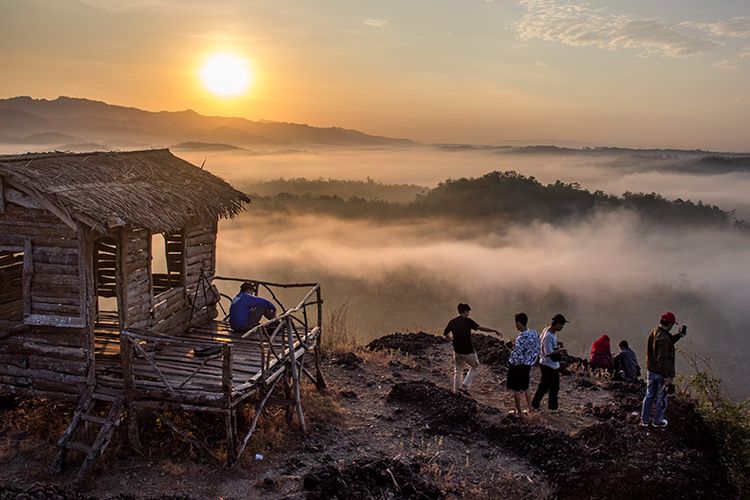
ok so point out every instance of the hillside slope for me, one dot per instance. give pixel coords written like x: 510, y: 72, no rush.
x: 388, y: 427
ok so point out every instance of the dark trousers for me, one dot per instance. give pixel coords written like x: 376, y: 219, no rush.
x: 550, y: 383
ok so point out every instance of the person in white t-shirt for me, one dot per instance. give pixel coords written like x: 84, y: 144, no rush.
x: 549, y: 364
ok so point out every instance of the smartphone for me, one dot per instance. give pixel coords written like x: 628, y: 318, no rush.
x: 683, y: 330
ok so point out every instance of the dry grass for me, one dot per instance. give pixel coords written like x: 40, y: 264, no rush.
x: 502, y: 483
x: 384, y: 357
x: 273, y: 432
x: 339, y: 333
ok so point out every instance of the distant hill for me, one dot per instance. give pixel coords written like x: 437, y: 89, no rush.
x: 204, y: 146
x: 40, y: 138
x: 99, y: 122
x: 14, y: 122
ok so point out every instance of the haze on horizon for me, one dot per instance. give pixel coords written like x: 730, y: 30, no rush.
x: 642, y: 74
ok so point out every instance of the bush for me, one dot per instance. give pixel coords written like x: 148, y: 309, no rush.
x: 729, y: 423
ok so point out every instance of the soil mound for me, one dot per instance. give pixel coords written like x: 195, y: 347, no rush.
x: 554, y: 452
x: 492, y: 351
x: 348, y: 360
x: 44, y: 491
x: 443, y: 411
x: 658, y: 463
x: 407, y: 343
x: 40, y: 491
x: 371, y: 478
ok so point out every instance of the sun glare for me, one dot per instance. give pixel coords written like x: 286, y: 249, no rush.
x: 226, y: 75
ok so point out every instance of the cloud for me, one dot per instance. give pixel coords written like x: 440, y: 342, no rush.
x: 727, y: 64
x: 581, y: 24
x: 377, y: 23
x: 736, y: 27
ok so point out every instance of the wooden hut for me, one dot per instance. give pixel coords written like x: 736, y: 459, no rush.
x: 84, y: 316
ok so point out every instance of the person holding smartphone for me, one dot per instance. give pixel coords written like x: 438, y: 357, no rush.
x: 660, y: 363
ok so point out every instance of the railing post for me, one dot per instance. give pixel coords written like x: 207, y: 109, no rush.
x: 262, y: 359
x: 295, y: 374
x: 126, y: 357
x: 321, y: 381
x: 226, y: 387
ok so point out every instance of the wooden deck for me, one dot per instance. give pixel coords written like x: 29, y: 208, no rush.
x: 145, y: 370
x: 196, y: 379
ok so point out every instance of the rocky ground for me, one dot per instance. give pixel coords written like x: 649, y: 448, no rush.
x: 389, y: 427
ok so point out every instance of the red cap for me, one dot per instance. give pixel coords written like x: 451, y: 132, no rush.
x: 669, y: 317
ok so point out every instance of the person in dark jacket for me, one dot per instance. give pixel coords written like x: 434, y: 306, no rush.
x: 660, y: 358
x: 601, y: 354
x: 246, y: 310
x: 463, y: 350
x: 626, y: 363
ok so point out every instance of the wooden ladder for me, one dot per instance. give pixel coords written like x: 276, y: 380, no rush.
x: 86, y: 414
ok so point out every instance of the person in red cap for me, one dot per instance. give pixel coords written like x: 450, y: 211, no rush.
x: 660, y: 358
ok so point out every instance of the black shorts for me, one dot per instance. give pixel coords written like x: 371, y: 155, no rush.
x: 519, y: 377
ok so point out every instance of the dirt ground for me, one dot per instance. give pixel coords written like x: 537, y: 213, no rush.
x: 389, y: 427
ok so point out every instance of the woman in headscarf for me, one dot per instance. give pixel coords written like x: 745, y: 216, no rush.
x: 601, y: 354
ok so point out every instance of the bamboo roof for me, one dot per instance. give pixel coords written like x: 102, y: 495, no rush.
x: 151, y: 189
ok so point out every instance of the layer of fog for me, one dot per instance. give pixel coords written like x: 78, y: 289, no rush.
x: 607, y: 275
x: 611, y: 173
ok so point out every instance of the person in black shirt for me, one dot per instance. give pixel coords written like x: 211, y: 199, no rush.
x: 463, y: 350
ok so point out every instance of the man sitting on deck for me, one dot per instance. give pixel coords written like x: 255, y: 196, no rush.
x: 247, y: 309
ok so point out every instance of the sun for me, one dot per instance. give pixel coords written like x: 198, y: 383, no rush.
x: 226, y: 75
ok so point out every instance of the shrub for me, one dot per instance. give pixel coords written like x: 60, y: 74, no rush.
x: 728, y: 421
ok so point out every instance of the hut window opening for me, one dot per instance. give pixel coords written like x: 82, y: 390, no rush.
x: 105, y: 268
x: 168, y: 256
x: 11, y: 286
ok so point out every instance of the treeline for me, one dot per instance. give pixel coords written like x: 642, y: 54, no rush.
x: 345, y: 189
x: 507, y: 196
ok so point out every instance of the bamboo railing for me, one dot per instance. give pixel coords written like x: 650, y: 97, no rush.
x: 155, y: 378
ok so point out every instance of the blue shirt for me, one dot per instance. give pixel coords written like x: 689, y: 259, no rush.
x: 246, y: 311
x: 549, y: 345
x: 526, y: 349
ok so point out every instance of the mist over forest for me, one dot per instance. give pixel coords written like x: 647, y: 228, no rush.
x: 398, y: 237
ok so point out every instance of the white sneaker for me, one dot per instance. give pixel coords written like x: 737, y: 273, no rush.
x: 662, y: 423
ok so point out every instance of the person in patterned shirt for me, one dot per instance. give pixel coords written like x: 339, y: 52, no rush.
x: 523, y: 356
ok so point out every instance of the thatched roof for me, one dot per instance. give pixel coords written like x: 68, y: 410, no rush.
x: 151, y: 189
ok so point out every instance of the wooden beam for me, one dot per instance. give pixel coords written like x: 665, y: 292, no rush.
x: 28, y: 273
x: 52, y: 320
x: 19, y: 198
x: 44, y: 202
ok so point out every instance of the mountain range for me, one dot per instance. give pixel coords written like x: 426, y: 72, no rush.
x: 78, y: 123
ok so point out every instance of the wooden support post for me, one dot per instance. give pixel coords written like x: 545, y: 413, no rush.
x: 226, y: 387
x: 288, y: 397
x: 320, y: 380
x: 28, y: 273
x: 87, y: 296
x: 295, y: 375
x: 126, y: 355
x: 258, y: 411
x: 2, y: 197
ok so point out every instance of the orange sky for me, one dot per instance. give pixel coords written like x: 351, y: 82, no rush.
x: 477, y: 71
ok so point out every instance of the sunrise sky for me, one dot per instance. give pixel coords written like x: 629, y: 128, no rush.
x: 614, y: 72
